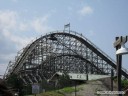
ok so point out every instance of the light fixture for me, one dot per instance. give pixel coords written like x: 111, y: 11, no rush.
x: 122, y: 50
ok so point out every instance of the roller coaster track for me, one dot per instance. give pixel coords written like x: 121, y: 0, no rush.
x: 85, y: 50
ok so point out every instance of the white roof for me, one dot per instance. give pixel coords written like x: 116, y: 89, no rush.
x: 78, y: 76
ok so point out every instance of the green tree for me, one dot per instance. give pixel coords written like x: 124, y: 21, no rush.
x: 15, y: 83
x: 64, y: 80
x: 124, y: 83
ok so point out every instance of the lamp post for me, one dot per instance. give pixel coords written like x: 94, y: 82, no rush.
x: 120, y: 50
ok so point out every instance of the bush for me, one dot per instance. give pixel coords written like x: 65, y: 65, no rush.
x: 124, y: 83
x: 52, y: 93
x: 64, y: 81
x: 15, y: 83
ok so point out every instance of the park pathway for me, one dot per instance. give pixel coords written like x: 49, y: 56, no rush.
x: 90, y: 89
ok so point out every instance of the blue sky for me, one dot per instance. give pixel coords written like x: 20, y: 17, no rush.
x: 100, y: 21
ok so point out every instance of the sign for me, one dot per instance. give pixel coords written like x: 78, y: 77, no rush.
x: 35, y: 88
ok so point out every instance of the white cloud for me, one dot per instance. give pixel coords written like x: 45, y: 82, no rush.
x: 18, y: 41
x: 6, y: 33
x: 13, y: 29
x: 7, y: 58
x: 11, y: 25
x: 3, y: 68
x: 7, y: 20
x: 40, y: 24
x: 86, y: 10
x: 23, y: 26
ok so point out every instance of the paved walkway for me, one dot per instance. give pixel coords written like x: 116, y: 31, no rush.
x: 90, y: 89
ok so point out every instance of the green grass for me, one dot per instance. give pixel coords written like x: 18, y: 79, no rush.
x: 67, y: 90
x: 51, y: 93
x: 59, y: 92
x: 29, y: 95
x: 124, y: 83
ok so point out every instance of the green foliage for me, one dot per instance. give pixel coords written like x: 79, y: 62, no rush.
x: 15, y: 83
x: 64, y: 81
x: 27, y: 89
x: 60, y: 92
x: 48, y: 86
x: 124, y: 83
x: 51, y: 93
x: 67, y: 90
x: 114, y: 78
